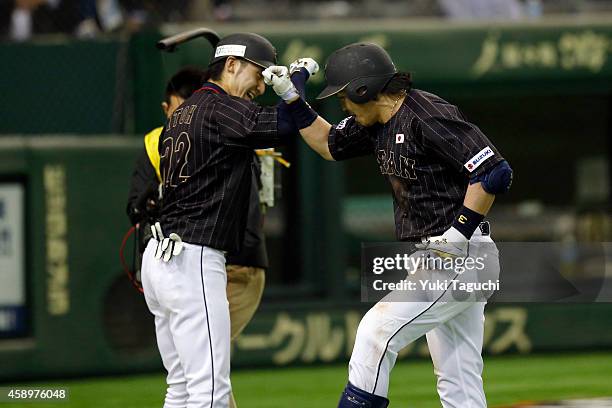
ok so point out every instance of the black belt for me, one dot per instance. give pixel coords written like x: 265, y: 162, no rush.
x: 484, y: 227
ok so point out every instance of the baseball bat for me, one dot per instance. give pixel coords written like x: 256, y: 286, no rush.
x: 169, y: 44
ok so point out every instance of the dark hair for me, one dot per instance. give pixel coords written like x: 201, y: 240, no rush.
x: 400, y: 82
x: 185, y: 82
x: 215, y: 70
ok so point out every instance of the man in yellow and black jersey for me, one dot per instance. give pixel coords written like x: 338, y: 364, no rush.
x: 245, y: 269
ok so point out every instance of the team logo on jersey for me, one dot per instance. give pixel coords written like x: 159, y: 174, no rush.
x: 399, y: 138
x: 342, y: 123
x: 479, y: 158
x: 388, y: 164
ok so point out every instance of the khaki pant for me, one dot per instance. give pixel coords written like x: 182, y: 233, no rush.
x: 245, y: 286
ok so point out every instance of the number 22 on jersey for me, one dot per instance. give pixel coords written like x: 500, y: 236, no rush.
x: 174, y: 159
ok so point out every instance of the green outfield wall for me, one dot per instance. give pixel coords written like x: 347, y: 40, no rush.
x: 84, y: 317
x: 70, y: 128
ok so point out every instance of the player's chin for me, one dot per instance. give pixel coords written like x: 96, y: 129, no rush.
x: 363, y: 121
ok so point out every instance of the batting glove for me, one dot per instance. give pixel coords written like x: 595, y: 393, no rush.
x: 166, y: 247
x: 451, y: 244
x: 311, y: 66
x: 278, y: 77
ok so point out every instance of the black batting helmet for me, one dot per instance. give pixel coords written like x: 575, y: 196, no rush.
x: 362, y: 70
x: 249, y: 46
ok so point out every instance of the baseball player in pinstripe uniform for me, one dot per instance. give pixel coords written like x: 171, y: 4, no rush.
x: 143, y: 197
x: 207, y: 161
x: 245, y: 269
x: 444, y: 174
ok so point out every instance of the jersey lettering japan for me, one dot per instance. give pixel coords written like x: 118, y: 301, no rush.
x: 404, y: 167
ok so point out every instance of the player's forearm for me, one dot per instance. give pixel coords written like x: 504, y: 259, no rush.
x: 313, y: 128
x: 476, y: 205
x: 477, y: 199
x: 316, y: 136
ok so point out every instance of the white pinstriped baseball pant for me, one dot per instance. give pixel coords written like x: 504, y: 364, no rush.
x: 454, y: 331
x: 188, y: 298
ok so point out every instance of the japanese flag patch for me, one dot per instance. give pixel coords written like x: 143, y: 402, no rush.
x: 399, y: 138
x: 478, y: 159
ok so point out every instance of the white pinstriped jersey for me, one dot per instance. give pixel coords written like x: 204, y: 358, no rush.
x: 428, y: 152
x: 207, y: 161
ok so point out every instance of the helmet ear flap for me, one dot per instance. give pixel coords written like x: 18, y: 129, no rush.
x: 358, y: 91
x: 364, y: 89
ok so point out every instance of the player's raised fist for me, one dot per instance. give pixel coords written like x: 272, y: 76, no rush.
x: 272, y: 74
x: 278, y: 77
x: 310, y: 64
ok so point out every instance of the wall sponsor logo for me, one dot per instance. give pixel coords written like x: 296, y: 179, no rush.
x: 582, y: 50
x: 321, y: 336
x: 56, y: 228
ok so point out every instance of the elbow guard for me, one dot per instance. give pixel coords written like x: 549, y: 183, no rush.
x: 497, y: 180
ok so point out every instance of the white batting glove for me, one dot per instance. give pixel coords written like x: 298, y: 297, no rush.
x: 166, y: 247
x: 451, y: 244
x: 310, y: 64
x: 278, y: 77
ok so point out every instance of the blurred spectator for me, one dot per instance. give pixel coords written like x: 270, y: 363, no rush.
x: 222, y: 10
x: 22, y: 18
x: 88, y: 27
x: 168, y: 10
x: 482, y: 9
x: 132, y: 15
x: 110, y: 15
